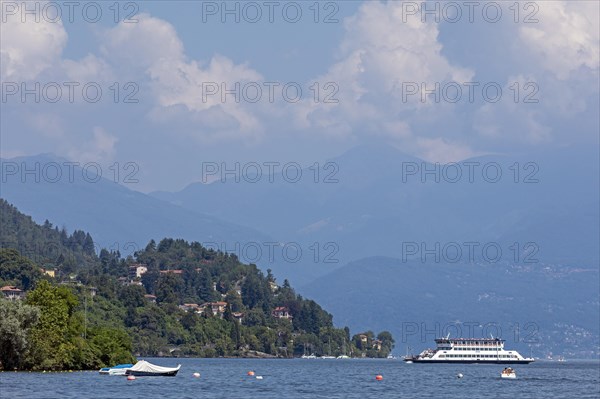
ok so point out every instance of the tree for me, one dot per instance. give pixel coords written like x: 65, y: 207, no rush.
x: 88, y: 245
x: 16, y: 319
x: 18, y: 270
x: 204, y: 287
x: 386, y: 339
x: 169, y: 288
x: 132, y: 296
x: 151, y: 247
x: 113, y: 346
x: 270, y: 276
x: 50, y: 336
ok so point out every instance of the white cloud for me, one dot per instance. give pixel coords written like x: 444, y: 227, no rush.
x: 153, y: 46
x: 27, y: 48
x: 443, y: 151
x: 566, y: 37
x: 89, y: 69
x: 142, y: 44
x: 99, y: 148
x: 380, y: 51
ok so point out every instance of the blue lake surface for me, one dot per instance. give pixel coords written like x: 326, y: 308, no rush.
x: 316, y: 378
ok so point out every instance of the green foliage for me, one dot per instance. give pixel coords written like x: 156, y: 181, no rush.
x: 112, y: 346
x: 64, y: 327
x: 369, y: 345
x: 132, y: 296
x: 50, y: 336
x: 45, y: 245
x: 16, y: 320
x: 17, y: 270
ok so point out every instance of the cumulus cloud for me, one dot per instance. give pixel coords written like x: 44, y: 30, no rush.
x: 565, y: 38
x: 28, y: 47
x: 153, y: 46
x: 380, y: 54
x: 99, y: 147
x: 561, y: 55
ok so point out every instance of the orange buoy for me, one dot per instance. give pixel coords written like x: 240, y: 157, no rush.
x: 250, y: 372
x: 379, y: 377
x: 130, y: 377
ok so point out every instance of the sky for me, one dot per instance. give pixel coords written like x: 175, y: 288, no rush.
x: 170, y: 85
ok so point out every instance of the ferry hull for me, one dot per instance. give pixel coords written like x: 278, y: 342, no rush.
x: 525, y: 361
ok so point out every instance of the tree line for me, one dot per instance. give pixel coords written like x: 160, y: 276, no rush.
x: 94, y: 312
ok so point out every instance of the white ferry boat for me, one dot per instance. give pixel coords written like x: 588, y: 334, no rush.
x: 469, y: 350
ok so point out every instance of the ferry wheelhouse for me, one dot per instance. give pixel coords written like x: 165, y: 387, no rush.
x: 469, y: 350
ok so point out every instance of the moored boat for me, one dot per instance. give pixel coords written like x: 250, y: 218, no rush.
x: 147, y: 369
x: 119, y: 369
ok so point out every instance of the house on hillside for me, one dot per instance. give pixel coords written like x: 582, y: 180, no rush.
x: 150, y: 298
x: 281, y: 312
x: 137, y: 270
x: 217, y: 308
x: 239, y: 316
x: 176, y: 271
x: 49, y: 272
x: 376, y: 344
x: 12, y: 293
x: 190, y: 307
x: 273, y: 286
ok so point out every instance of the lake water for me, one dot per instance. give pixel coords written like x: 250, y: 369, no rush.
x: 306, y: 378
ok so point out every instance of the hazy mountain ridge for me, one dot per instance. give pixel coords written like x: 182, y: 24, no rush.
x: 380, y: 202
x: 541, y: 304
x: 114, y: 214
x: 374, y: 209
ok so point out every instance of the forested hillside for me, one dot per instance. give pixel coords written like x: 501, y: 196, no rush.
x: 173, y: 298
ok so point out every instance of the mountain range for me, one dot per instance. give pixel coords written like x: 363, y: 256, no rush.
x: 373, y: 232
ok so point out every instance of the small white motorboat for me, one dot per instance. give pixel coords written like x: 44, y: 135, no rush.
x: 508, y: 373
x: 119, y: 369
